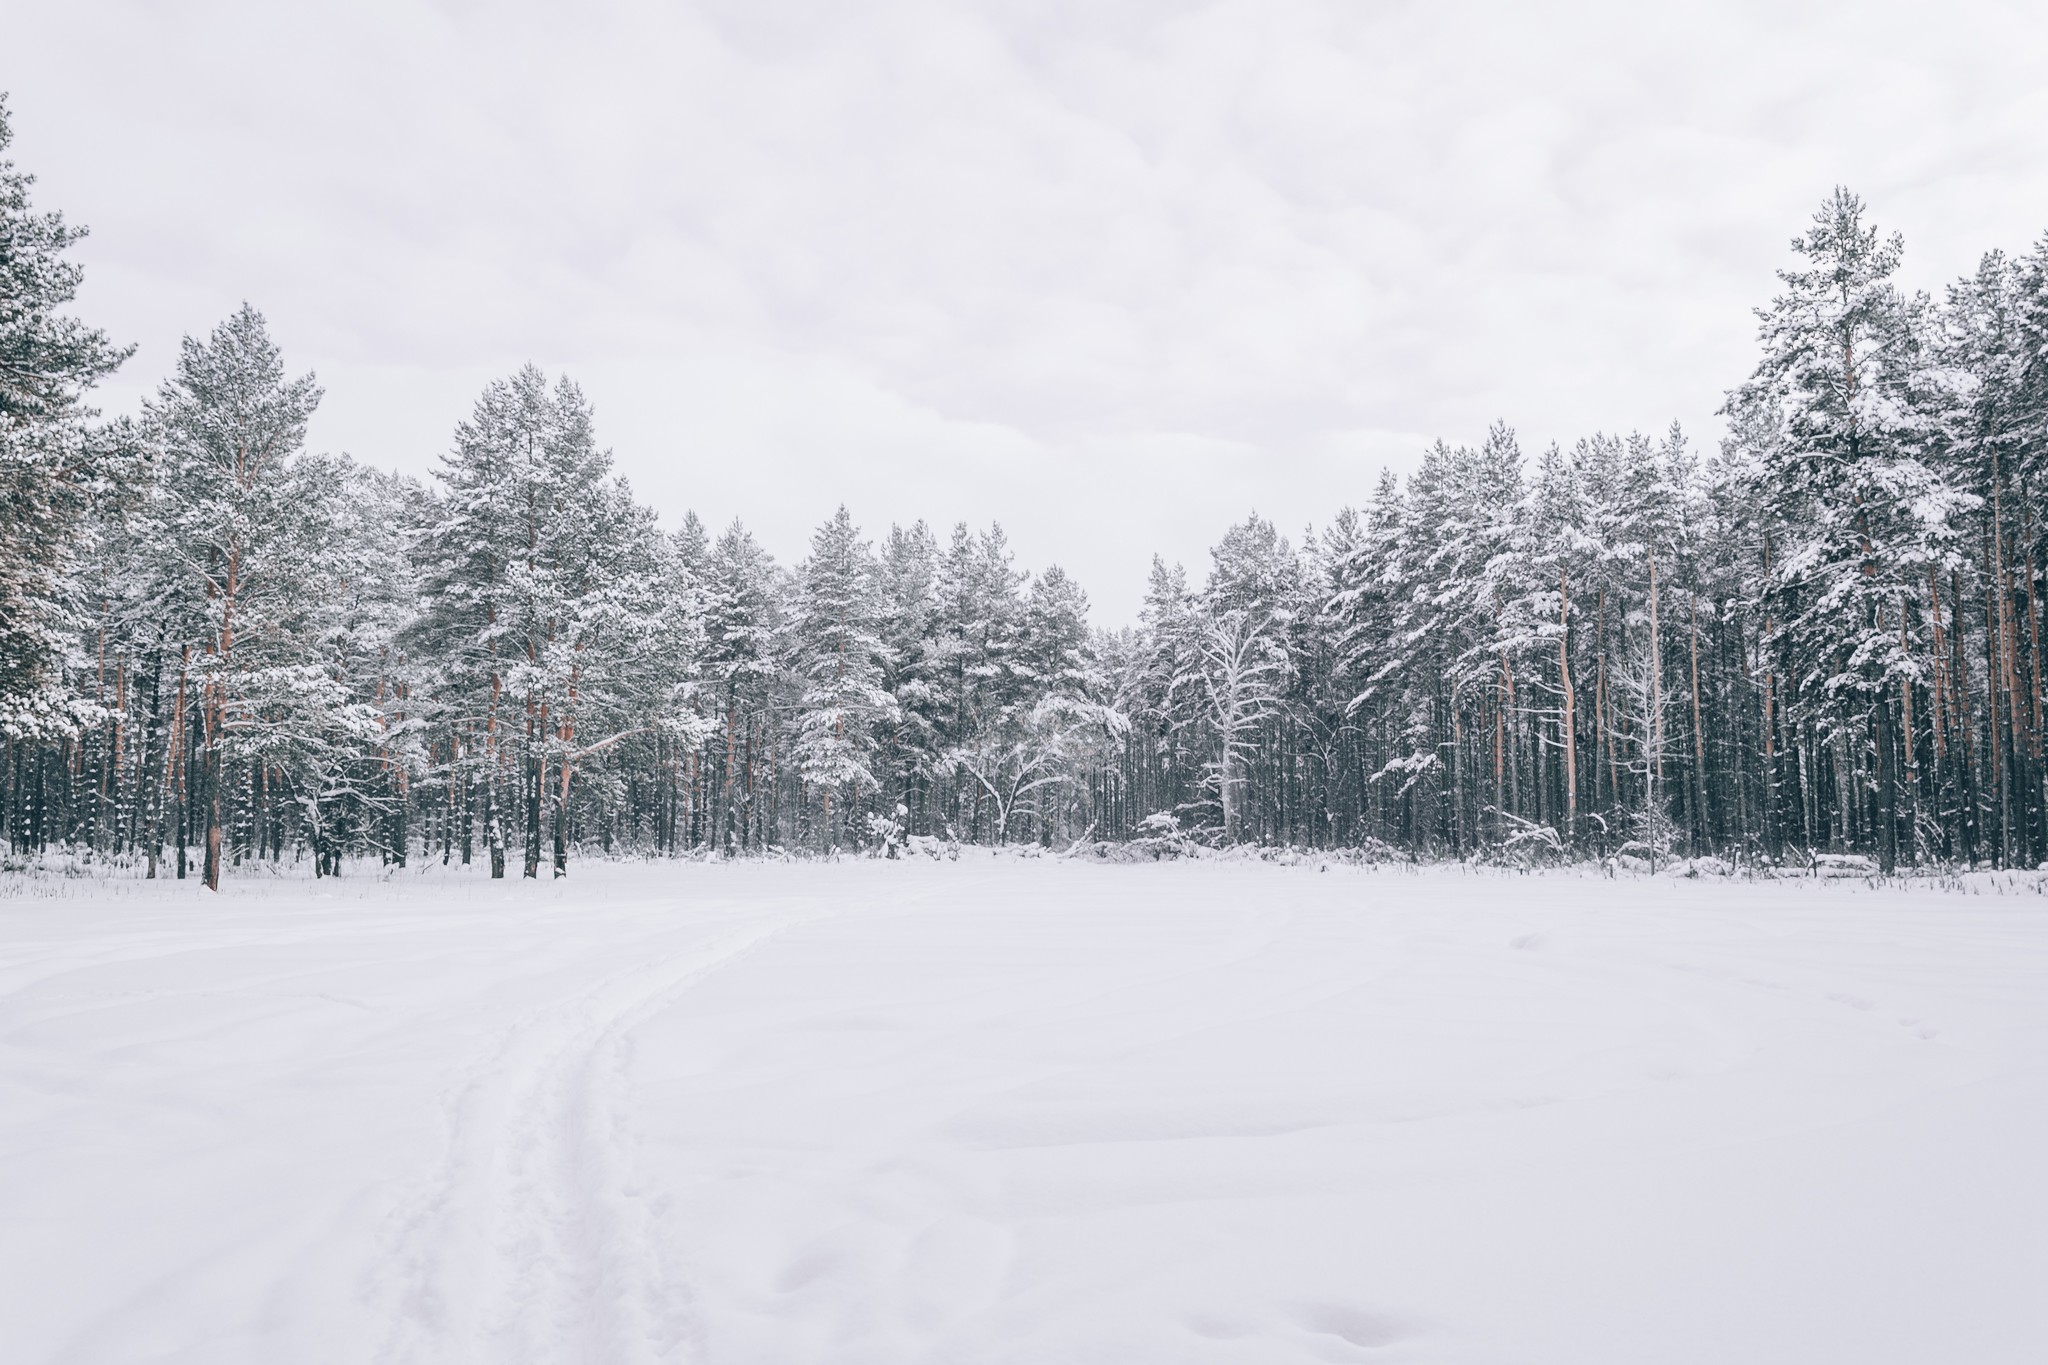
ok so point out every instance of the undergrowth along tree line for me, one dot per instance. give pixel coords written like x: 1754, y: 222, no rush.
x: 217, y: 646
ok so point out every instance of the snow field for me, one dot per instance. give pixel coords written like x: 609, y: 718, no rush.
x: 1003, y: 1111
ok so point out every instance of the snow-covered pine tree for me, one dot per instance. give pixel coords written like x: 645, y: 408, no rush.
x: 1992, y: 340
x: 1319, y: 738
x: 52, y: 458
x: 242, y: 518
x: 676, y: 688
x: 1559, y: 553
x: 742, y: 622
x: 836, y: 625
x: 471, y: 610
x: 540, y: 584
x: 1366, y: 597
x: 1072, y: 717
x: 912, y: 746
x: 344, y: 737
x: 1165, y: 651
x: 1254, y: 589
x: 1854, y: 474
x: 973, y: 660
x: 1233, y: 682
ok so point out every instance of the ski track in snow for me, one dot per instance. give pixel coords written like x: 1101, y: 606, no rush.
x: 534, y: 1242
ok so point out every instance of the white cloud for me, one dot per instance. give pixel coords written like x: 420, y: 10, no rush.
x: 1115, y: 273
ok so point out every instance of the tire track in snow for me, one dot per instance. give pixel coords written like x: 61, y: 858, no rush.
x: 532, y: 1243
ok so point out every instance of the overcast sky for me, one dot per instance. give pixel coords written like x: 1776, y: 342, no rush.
x: 1113, y: 273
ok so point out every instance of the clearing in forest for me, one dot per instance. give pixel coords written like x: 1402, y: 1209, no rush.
x: 1005, y: 1110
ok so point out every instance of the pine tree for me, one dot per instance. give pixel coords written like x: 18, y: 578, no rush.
x: 741, y: 630
x: 1233, y: 681
x: 52, y: 459
x: 908, y: 604
x: 972, y: 659
x: 345, y: 735
x: 1855, y: 470
x: 239, y: 514
x: 836, y: 625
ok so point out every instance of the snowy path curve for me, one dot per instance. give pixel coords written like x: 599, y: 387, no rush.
x: 533, y: 1241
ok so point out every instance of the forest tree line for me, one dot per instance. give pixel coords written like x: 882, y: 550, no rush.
x: 1825, y: 635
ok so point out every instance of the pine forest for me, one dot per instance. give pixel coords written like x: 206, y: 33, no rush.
x: 1823, y: 637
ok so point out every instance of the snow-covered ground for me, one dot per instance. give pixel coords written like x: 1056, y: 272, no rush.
x: 1013, y: 1111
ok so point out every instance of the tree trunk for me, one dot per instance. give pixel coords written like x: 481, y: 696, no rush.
x: 213, y: 720
x: 1702, y: 832
x: 1571, y: 708
x: 1887, y: 792
x: 1655, y: 766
